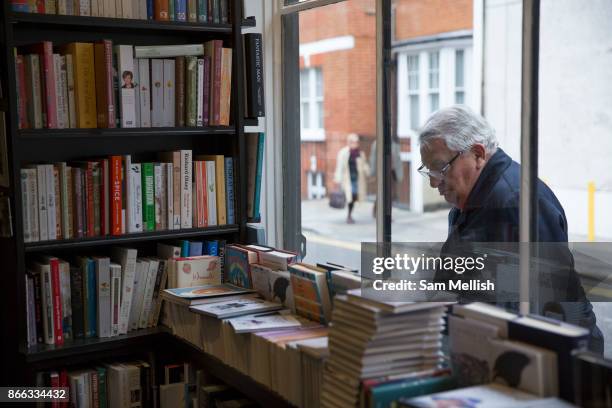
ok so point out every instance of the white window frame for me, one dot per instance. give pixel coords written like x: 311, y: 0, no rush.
x: 431, y: 90
x: 458, y: 88
x: 309, y: 133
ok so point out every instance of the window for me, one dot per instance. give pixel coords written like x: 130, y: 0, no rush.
x: 434, y: 80
x: 413, y: 90
x: 459, y: 77
x: 311, y: 104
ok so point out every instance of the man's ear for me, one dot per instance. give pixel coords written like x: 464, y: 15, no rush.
x: 480, y: 152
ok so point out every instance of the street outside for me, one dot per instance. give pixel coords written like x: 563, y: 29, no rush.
x: 330, y: 239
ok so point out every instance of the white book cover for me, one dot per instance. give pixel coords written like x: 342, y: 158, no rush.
x: 134, y: 198
x: 211, y: 193
x: 186, y: 189
x: 51, y: 202
x: 64, y: 275
x: 157, y: 93
x: 235, y: 307
x: 136, y: 84
x: 127, y: 259
x: 84, y: 7
x: 140, y: 277
x: 59, y: 100
x: 157, y: 196
x: 41, y: 184
x: 169, y: 93
x: 149, y: 287
x: 72, y: 119
x: 477, y: 397
x: 260, y: 277
x: 255, y: 323
x: 200, y: 94
x: 145, y: 92
x: 103, y: 282
x: 169, y: 177
x: 125, y: 64
x: 115, y: 306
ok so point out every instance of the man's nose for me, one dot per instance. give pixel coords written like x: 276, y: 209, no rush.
x: 434, y: 182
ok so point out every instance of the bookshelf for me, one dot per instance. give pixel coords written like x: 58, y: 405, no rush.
x: 50, y: 145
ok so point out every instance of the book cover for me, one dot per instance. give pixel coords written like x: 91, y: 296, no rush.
x: 235, y: 307
x: 169, y: 93
x: 256, y: 323
x: 260, y: 275
x: 84, y: 83
x: 105, y: 97
x: 238, y: 266
x: 197, y: 271
x: 205, y: 291
x: 478, y: 396
x: 309, y: 285
x: 195, y: 248
x: 179, y: 104
x: 157, y: 93
x: 125, y: 64
x: 145, y: 92
x: 148, y: 197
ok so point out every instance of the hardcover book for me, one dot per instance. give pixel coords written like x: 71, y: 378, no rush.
x: 125, y: 64
x: 235, y: 307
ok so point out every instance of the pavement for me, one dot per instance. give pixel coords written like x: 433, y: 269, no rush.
x: 329, y: 238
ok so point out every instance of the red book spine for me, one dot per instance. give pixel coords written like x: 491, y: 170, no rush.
x: 40, y: 5
x: 103, y: 210
x: 216, y: 92
x: 57, y: 303
x: 22, y: 100
x: 110, y: 94
x: 206, y: 93
x: 63, y: 380
x: 90, y: 200
x: 115, y: 198
x: 161, y: 10
x: 54, y: 382
x: 49, y: 76
x: 198, y: 194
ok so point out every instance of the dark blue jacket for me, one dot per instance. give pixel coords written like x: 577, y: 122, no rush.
x: 491, y: 215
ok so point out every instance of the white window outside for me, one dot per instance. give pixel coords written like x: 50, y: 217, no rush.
x: 459, y: 77
x: 434, y: 81
x: 311, y: 104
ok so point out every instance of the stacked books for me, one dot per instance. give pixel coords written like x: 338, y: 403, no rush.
x: 93, y: 296
x: 371, y: 338
x: 200, y: 11
x: 89, y: 85
x: 116, y: 195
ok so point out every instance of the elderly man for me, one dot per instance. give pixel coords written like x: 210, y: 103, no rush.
x: 462, y: 160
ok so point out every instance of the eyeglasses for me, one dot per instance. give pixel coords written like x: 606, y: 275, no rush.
x: 438, y: 174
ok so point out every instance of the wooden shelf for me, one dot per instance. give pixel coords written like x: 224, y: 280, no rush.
x: 54, y: 21
x: 42, y: 352
x: 229, y: 375
x: 128, y: 238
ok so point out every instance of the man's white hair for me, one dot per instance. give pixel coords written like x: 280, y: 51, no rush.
x: 460, y: 128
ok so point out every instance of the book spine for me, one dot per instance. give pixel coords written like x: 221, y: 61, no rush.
x: 34, y: 90
x: 191, y: 90
x: 168, y: 51
x: 94, y: 8
x: 134, y: 196
x: 148, y: 197
x: 22, y: 102
x: 224, y: 12
x: 62, y: 7
x: 95, y: 396
x: 171, y: 10
x: 169, y: 93
x: 125, y: 62
x: 161, y: 10
x: 115, y: 271
x: 198, y: 194
x: 220, y: 187
x: 117, y: 81
x: 258, y: 174
x: 41, y: 184
x: 104, y: 296
x: 87, y: 329
x: 102, y: 388
x: 50, y: 196
x: 216, y: 11
x: 222, y: 261
x: 128, y: 265
x: 169, y: 190
x: 229, y: 189
x: 180, y: 91
x: 200, y: 92
x: 63, y: 203
x: 157, y: 95
x: 84, y: 84
x: 203, y: 11
x: 58, y: 203
x: 150, y: 10
x: 25, y: 208
x: 181, y: 10
x: 116, y: 195
x: 226, y: 86
x: 186, y: 189
x: 151, y: 277
x: 143, y: 14
x: 96, y: 177
x: 216, y: 69
x: 76, y: 296
x: 72, y: 118
x: 105, y: 103
x: 210, y: 10
x: 38, y: 303
x: 92, y: 301
x: 206, y: 92
x: 49, y: 81
x: 211, y: 193
x: 145, y: 92
x: 70, y: 202
x: 104, y: 197
x: 66, y: 300
x: 136, y: 83
x: 32, y: 183
x: 126, y: 9
x: 88, y: 200
x: 57, y: 303
x: 192, y: 11
x: 30, y: 311
x: 47, y: 303
x: 59, y: 92
x: 254, y: 77
x: 159, y: 202
x: 77, y: 202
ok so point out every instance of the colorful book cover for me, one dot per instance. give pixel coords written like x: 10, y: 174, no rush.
x: 125, y: 63
x: 238, y: 267
x: 197, y: 271
x: 148, y: 197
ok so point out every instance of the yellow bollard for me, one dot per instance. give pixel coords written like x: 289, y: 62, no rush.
x: 591, y: 189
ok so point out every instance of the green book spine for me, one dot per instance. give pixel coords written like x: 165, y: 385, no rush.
x: 148, y: 197
x: 202, y: 11
x: 171, y: 12
x: 192, y: 91
x: 102, y: 395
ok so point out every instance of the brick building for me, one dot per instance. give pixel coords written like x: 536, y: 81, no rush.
x: 338, y: 81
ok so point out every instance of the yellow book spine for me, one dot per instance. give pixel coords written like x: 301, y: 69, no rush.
x: 84, y: 84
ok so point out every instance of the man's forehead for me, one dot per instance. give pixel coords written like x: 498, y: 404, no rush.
x: 434, y: 150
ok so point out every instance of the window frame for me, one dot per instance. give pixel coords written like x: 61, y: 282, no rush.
x: 310, y: 133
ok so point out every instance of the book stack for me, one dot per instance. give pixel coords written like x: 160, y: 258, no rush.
x: 92, y: 296
x: 371, y: 338
x: 194, y: 11
x: 89, y: 85
x: 116, y: 195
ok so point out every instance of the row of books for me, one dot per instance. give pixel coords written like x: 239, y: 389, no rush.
x: 114, y: 196
x: 135, y: 383
x: 202, y: 11
x: 89, y: 85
